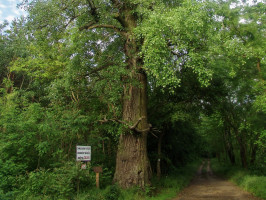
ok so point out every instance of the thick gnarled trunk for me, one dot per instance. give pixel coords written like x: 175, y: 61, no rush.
x: 132, y: 163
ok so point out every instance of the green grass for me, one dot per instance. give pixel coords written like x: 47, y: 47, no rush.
x: 256, y: 184
x: 48, y: 185
x: 166, y: 188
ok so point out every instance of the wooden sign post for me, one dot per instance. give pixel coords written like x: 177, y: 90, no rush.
x: 98, y: 170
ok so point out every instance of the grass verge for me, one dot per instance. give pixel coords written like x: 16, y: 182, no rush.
x: 164, y: 189
x: 246, y: 179
x: 48, y: 185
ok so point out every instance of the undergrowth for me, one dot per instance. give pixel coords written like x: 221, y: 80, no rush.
x: 166, y: 188
x: 71, y: 183
x: 246, y: 179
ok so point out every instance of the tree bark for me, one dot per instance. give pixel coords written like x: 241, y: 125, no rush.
x: 229, y: 146
x: 254, y: 148
x: 241, y: 143
x: 132, y: 163
x: 253, y: 154
x: 243, y: 155
x: 243, y: 151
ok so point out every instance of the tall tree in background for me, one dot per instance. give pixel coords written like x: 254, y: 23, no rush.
x: 240, y: 66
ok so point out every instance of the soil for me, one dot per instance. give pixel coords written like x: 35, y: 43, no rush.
x: 209, y: 187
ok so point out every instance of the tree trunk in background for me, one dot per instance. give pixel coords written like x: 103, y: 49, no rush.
x: 218, y: 156
x: 243, y: 156
x: 159, y: 155
x: 242, y: 147
x: 231, y: 155
x: 253, y: 154
x: 229, y: 146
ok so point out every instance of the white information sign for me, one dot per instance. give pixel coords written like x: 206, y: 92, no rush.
x: 83, y: 153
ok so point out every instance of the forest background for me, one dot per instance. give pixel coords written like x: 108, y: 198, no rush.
x: 150, y: 85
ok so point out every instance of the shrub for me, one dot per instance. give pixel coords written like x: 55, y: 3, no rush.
x: 246, y: 179
x: 59, y: 183
x: 112, y: 193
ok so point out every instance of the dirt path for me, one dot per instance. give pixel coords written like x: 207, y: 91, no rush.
x: 208, y: 187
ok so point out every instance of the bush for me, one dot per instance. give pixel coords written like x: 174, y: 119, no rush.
x: 112, y: 193
x: 59, y: 183
x: 255, y: 184
x: 246, y: 179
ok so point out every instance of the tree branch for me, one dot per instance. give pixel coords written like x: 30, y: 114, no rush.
x: 71, y: 20
x: 134, y: 127
x: 117, y: 4
x: 86, y: 26
x: 92, y: 25
x: 93, y: 10
x: 100, y: 68
x: 154, y: 135
x: 136, y: 124
x: 179, y: 54
x: 143, y: 130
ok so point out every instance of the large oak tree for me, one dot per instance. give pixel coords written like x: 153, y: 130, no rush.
x: 140, y: 39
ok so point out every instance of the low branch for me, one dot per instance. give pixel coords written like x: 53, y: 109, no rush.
x: 154, y: 134
x: 133, y: 127
x: 74, y: 97
x: 155, y: 130
x: 137, y: 123
x: 143, y: 130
